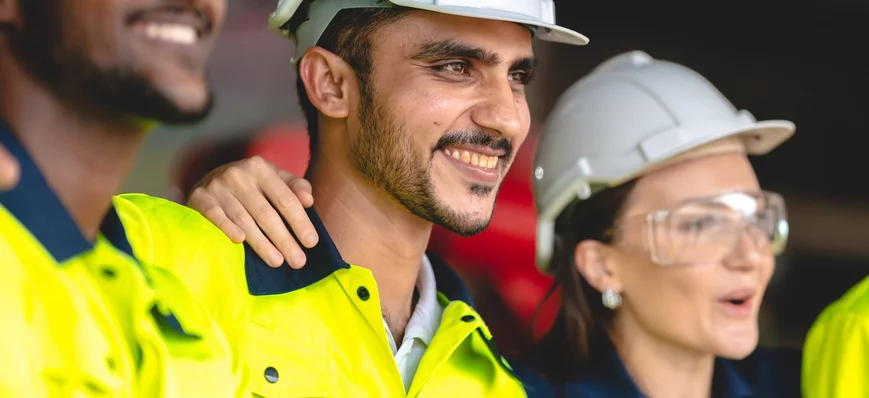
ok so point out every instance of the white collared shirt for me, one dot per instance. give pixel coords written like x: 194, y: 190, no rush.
x: 421, y: 327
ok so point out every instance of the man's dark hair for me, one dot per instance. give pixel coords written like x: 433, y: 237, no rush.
x: 350, y: 36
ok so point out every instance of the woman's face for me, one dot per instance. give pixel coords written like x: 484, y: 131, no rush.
x: 707, y: 306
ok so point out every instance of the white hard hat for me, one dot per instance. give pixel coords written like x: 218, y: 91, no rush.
x: 537, y: 14
x: 630, y: 114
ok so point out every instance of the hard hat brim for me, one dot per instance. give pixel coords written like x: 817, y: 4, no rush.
x: 758, y: 139
x: 766, y: 135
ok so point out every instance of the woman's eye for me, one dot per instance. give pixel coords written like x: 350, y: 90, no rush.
x: 698, y: 224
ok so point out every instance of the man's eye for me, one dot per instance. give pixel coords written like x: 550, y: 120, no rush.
x: 459, y: 68
x: 520, y: 77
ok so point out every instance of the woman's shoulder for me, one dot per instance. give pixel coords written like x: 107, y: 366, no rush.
x: 607, y: 378
x: 772, y: 372
x: 767, y: 372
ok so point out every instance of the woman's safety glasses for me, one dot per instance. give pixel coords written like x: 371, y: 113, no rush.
x: 708, y: 230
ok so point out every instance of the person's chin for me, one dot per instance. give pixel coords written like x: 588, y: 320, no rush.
x: 737, y: 348
x: 468, y: 223
x: 464, y: 229
x: 189, y: 97
x: 183, y: 108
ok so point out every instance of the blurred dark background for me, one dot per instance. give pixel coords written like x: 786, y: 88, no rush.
x: 801, y: 61
x: 780, y: 60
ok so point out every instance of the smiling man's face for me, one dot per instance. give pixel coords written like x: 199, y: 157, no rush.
x: 443, y: 114
x: 126, y: 58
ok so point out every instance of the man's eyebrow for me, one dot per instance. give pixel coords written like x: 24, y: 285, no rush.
x: 455, y: 49
x: 526, y: 63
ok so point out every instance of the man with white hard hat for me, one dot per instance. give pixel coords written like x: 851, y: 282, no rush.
x: 415, y: 109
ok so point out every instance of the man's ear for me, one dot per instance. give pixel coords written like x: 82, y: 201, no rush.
x: 594, y: 262
x: 328, y: 81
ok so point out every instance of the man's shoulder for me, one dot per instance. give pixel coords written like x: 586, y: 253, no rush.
x: 855, y: 302
x: 841, y: 323
x: 158, y: 223
x: 168, y: 235
x: 152, y: 208
x: 22, y: 255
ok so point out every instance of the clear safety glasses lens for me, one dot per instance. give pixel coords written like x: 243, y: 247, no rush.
x: 705, y: 231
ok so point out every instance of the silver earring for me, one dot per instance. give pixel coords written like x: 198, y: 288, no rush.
x: 611, y: 299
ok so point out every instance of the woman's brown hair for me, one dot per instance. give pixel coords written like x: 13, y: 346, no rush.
x: 582, y: 321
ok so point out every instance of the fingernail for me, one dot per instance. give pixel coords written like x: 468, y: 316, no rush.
x: 310, y: 239
x: 298, y: 259
x: 276, y: 259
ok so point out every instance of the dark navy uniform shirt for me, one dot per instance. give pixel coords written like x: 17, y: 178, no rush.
x: 766, y: 373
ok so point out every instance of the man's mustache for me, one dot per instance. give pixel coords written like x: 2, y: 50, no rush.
x: 476, y: 138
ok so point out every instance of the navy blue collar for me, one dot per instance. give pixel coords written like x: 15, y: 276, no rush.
x: 609, y: 378
x: 323, y: 260
x: 38, y: 208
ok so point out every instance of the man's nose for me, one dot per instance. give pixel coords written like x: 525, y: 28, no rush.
x: 501, y: 110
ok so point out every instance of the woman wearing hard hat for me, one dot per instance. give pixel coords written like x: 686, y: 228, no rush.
x: 658, y: 234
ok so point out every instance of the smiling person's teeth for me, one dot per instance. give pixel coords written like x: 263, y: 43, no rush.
x: 175, y: 33
x: 473, y: 159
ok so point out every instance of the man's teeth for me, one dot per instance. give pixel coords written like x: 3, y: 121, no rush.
x: 473, y: 159
x: 176, y: 33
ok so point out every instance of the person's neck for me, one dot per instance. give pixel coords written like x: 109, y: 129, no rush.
x: 373, y: 231
x: 84, y: 159
x: 660, y: 368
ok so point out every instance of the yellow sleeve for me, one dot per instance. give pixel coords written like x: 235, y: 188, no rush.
x: 171, y: 236
x: 19, y: 336
x: 836, y: 352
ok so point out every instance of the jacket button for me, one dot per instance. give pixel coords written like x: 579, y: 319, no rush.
x: 108, y: 272
x: 468, y: 318
x: 363, y: 293
x: 271, y: 375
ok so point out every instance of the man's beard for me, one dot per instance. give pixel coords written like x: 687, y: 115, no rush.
x: 386, y: 155
x: 53, y: 58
